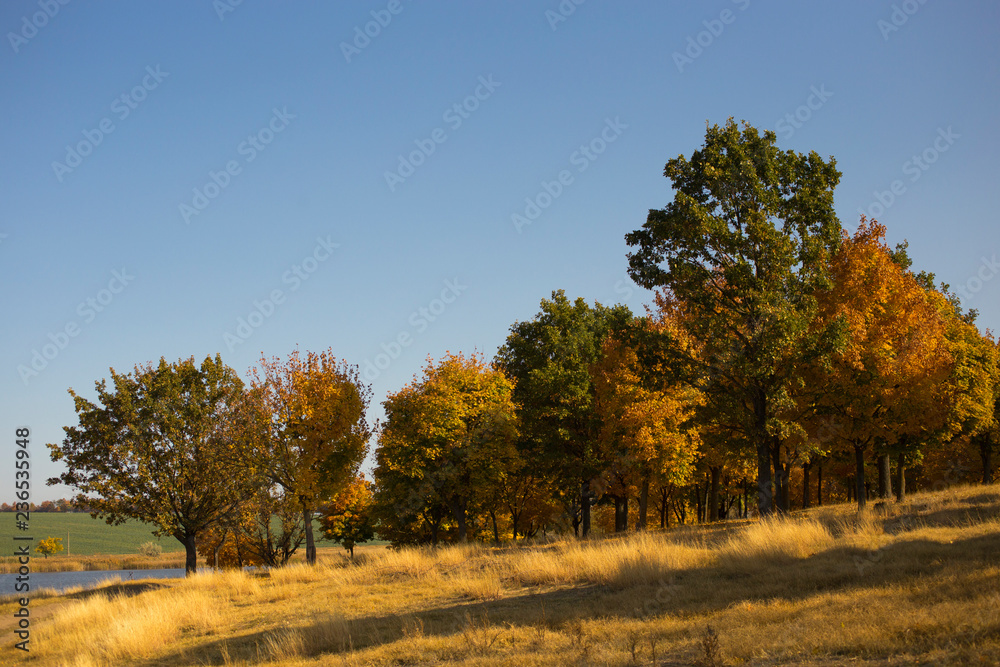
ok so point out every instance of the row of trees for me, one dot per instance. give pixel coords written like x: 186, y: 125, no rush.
x: 778, y: 346
x: 61, y: 505
x: 195, y: 452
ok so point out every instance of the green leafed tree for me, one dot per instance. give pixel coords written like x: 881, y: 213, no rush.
x: 550, y: 359
x: 744, y: 247
x: 165, y: 445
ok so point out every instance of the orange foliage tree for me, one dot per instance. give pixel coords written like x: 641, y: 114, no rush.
x: 347, y: 519
x: 647, y: 434
x: 879, y: 387
x: 317, y: 432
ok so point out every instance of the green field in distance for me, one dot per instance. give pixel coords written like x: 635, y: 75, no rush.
x: 84, y: 536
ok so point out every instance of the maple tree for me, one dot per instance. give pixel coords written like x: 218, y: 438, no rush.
x: 317, y: 435
x: 444, y: 438
x: 347, y: 519
x: 646, y: 432
x: 743, y: 246
x: 880, y: 385
x: 157, y: 446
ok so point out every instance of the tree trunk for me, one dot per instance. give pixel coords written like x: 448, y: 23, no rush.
x: 643, y: 504
x: 986, y: 456
x: 698, y: 505
x: 746, y: 500
x: 190, y: 554
x: 780, y: 478
x: 900, y: 477
x: 859, y: 475
x: 458, y: 510
x: 307, y: 525
x: 664, y: 508
x: 713, y: 503
x: 805, y: 485
x: 819, y: 484
x: 585, y: 507
x: 884, y: 477
x: 765, y: 497
x: 625, y: 513
x: 496, y: 531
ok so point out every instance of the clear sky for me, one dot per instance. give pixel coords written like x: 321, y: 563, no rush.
x: 185, y: 178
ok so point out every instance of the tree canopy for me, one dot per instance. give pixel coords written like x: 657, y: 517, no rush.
x: 158, y: 444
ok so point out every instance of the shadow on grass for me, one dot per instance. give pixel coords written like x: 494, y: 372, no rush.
x: 682, y: 593
x: 122, y: 589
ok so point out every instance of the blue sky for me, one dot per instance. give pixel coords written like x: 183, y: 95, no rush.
x: 170, y: 169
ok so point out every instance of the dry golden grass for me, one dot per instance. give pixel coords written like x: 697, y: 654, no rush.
x: 60, y: 563
x: 917, y: 583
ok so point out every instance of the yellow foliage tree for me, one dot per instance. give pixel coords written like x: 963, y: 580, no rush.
x: 646, y: 433
x: 50, y: 545
x: 317, y: 432
x: 881, y: 385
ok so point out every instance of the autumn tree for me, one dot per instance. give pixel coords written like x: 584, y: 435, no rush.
x: 549, y: 359
x: 348, y: 519
x: 743, y: 246
x: 165, y: 446
x: 647, y: 432
x: 50, y: 545
x: 317, y: 433
x: 266, y: 529
x: 880, y: 387
x: 445, y: 436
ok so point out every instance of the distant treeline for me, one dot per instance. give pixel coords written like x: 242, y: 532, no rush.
x: 61, y: 505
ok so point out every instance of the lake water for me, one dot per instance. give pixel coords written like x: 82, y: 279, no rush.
x: 60, y: 581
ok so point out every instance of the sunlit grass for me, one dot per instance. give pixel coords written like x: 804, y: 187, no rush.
x: 915, y: 582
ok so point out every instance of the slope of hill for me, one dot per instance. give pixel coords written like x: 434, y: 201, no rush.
x: 914, y: 584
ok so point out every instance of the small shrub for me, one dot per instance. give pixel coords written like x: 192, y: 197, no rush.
x: 150, y: 549
x: 50, y: 545
x: 711, y: 651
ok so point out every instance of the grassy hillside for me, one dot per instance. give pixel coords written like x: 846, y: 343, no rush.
x: 917, y: 584
x: 86, y: 536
